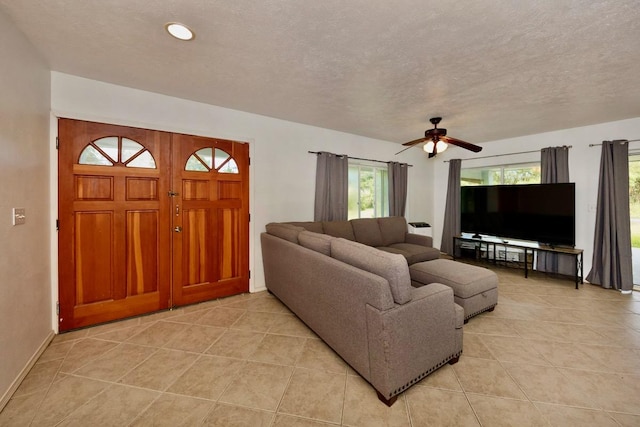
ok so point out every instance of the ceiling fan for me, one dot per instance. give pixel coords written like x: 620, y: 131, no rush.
x: 437, y: 140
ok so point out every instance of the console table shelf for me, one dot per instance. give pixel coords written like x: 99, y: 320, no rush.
x: 492, y: 245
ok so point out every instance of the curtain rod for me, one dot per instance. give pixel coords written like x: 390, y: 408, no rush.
x: 627, y: 140
x: 507, y: 154
x: 357, y: 158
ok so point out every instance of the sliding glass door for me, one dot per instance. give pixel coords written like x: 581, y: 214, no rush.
x: 634, y: 206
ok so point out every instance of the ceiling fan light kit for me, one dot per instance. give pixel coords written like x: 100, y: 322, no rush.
x: 437, y: 140
x: 440, y: 146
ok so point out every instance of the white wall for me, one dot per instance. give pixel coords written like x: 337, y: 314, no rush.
x: 282, y: 171
x: 584, y: 166
x: 25, y: 297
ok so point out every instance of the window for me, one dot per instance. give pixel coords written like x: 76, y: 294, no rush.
x: 527, y: 173
x: 634, y: 210
x: 206, y: 159
x: 368, y: 191
x: 114, y: 150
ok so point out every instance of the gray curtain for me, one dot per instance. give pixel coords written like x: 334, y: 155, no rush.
x: 332, y: 186
x: 554, y: 168
x: 451, y: 225
x: 397, y: 173
x: 611, y: 266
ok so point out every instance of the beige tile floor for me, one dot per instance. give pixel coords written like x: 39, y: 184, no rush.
x: 548, y: 355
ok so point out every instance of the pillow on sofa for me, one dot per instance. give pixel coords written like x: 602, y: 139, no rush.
x: 393, y: 229
x: 367, y: 231
x: 315, y: 241
x: 339, y: 229
x: 284, y: 231
x: 392, y: 267
x: 315, y: 226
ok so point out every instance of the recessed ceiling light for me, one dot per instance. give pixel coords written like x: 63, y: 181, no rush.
x: 179, y: 31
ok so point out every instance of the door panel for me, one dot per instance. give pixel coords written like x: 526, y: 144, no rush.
x: 93, y: 257
x: 142, y: 188
x: 197, y: 248
x: 142, y: 252
x: 230, y: 253
x: 94, y: 187
x: 114, y: 236
x: 211, y: 251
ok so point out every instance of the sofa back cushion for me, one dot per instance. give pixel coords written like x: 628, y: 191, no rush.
x: 392, y: 267
x: 315, y: 226
x: 284, y: 231
x: 315, y: 241
x: 393, y: 229
x: 338, y: 229
x: 367, y: 231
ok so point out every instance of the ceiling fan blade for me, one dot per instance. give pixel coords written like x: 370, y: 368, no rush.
x: 414, y: 142
x: 459, y: 143
x: 402, y: 151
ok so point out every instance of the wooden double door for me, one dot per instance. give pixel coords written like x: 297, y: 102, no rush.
x: 148, y: 220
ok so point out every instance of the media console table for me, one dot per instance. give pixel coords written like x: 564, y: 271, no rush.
x: 490, y: 244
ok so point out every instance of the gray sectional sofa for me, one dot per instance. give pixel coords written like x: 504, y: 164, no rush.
x: 360, y: 301
x: 387, y: 234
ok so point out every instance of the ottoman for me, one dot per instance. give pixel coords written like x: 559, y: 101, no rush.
x: 475, y: 288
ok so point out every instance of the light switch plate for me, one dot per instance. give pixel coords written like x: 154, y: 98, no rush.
x: 19, y: 216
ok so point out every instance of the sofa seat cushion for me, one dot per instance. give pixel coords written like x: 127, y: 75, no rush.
x: 392, y: 267
x: 413, y: 253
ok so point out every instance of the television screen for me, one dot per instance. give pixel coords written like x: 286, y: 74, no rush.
x: 543, y: 213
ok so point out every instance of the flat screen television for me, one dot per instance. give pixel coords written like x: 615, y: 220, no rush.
x: 543, y: 213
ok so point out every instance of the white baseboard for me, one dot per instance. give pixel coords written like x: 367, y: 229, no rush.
x: 16, y: 383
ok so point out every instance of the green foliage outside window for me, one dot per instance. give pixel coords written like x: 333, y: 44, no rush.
x: 523, y: 175
x: 368, y: 192
x: 508, y: 174
x: 634, y: 199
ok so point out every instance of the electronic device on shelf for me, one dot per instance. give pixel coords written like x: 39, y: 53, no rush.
x: 543, y: 213
x: 419, y: 224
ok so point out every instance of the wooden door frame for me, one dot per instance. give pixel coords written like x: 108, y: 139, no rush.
x: 54, y: 116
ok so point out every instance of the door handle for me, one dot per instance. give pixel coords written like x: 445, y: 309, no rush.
x: 178, y: 229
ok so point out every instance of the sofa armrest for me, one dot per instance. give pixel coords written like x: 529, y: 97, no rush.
x: 410, y: 341
x: 418, y: 239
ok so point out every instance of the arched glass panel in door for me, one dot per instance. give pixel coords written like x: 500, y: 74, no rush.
x: 114, y: 150
x: 207, y: 159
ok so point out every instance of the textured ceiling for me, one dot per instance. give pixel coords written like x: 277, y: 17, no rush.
x: 493, y: 69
